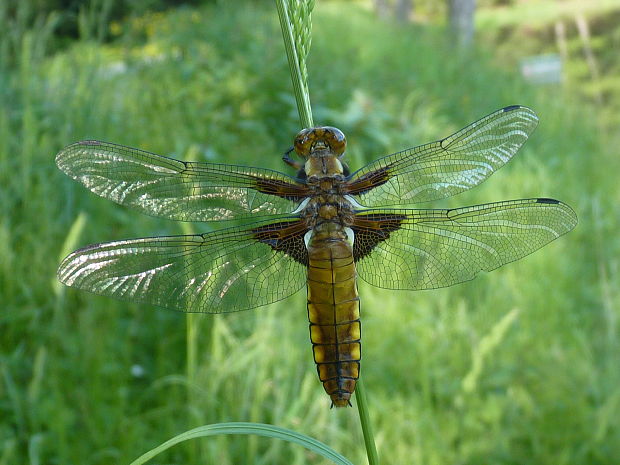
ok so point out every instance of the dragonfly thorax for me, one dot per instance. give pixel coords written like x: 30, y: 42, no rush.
x: 319, y: 168
x: 331, y: 209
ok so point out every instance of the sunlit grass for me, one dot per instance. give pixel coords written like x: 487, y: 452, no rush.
x: 86, y: 379
x: 539, y: 12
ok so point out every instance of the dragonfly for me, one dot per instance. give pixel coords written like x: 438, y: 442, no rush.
x: 323, y: 227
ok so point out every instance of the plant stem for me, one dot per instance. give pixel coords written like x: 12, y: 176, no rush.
x: 362, y: 408
x: 191, y: 336
x: 295, y: 60
x: 297, y: 67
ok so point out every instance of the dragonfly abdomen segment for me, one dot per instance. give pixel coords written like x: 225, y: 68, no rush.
x: 333, y: 312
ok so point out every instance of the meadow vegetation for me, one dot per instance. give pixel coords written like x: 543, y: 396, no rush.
x: 518, y: 366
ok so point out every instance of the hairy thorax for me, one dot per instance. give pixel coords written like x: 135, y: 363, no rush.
x: 328, y: 206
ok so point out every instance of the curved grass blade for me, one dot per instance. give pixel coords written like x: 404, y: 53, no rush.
x: 259, y: 429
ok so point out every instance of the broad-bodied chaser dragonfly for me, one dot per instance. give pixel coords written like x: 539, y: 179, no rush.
x: 323, y: 228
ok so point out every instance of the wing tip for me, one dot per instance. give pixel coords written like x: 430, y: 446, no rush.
x: 567, y: 209
x: 547, y: 200
x: 523, y: 108
x: 66, y: 152
x: 61, y: 157
x: 512, y: 108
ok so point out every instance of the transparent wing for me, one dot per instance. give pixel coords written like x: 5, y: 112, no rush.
x: 185, y: 191
x: 219, y: 272
x: 427, y: 249
x: 445, y: 167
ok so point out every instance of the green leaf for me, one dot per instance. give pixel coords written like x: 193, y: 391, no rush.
x: 259, y: 429
x: 70, y: 244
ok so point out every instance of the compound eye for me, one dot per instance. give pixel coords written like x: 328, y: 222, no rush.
x: 303, y: 142
x: 336, y: 140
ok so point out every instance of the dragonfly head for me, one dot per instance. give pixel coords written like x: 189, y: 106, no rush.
x: 320, y: 141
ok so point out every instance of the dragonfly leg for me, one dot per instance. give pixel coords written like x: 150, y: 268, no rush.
x: 286, y: 158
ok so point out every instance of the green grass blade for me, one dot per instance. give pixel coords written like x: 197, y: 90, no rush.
x: 362, y: 407
x: 296, y: 31
x: 68, y: 246
x: 488, y: 344
x: 258, y: 429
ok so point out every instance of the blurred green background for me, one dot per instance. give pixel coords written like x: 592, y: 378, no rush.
x: 520, y: 366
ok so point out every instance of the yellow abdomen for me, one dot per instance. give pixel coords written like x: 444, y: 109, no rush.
x: 333, y: 311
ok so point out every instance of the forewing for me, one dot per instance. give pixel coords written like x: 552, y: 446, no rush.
x: 427, y: 249
x: 223, y: 271
x: 178, y: 190
x: 445, y: 167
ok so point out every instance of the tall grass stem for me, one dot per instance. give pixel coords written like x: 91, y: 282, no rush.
x: 296, y: 32
x: 191, y: 333
x: 362, y: 408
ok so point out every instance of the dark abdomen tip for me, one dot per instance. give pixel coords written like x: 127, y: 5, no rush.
x: 341, y: 399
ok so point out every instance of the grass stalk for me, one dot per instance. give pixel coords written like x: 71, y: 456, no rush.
x: 191, y: 335
x: 296, y: 32
x: 362, y: 408
x: 296, y: 35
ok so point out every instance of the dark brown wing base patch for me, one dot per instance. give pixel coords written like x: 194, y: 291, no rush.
x: 282, y: 189
x: 286, y: 237
x: 371, y: 229
x: 368, y: 181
